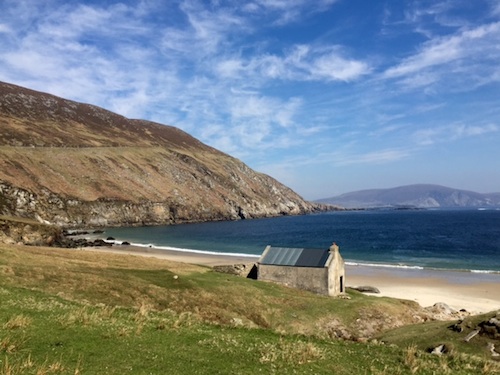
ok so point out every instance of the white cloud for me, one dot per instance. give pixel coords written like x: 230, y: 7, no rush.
x: 287, y: 11
x: 462, y: 131
x: 375, y: 157
x: 299, y: 63
x: 466, y: 48
x: 230, y: 68
x: 78, y: 52
x: 435, y: 53
x: 252, y: 107
x: 312, y: 130
x: 259, y: 123
x: 264, y: 109
x: 219, y: 71
x: 284, y: 116
x: 332, y: 66
x: 495, y: 7
x: 206, y: 31
x: 339, y: 157
x: 5, y: 29
x: 306, y: 62
x: 430, y: 136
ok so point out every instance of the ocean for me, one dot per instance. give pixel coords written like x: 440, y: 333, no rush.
x: 466, y: 240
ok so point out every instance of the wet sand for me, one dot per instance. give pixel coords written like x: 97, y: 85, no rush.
x: 473, y: 292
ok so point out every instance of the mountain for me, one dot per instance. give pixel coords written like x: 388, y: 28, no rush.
x: 418, y: 196
x: 74, y: 164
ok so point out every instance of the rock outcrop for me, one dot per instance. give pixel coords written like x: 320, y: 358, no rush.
x: 29, y: 232
x: 74, y: 164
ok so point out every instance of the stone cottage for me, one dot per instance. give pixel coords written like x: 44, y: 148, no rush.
x: 316, y: 270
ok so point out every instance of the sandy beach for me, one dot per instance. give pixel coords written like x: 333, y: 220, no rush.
x: 474, y: 292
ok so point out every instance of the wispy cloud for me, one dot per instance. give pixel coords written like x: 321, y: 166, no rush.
x: 301, y: 63
x: 81, y: 52
x: 345, y: 155
x: 374, y: 157
x: 5, y: 29
x: 285, y: 83
x: 205, y: 32
x: 467, y: 53
x: 287, y: 11
x: 449, y: 133
x: 495, y: 8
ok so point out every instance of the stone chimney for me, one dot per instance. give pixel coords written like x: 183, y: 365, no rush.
x: 334, y: 248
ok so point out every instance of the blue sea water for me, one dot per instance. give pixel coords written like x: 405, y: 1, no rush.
x: 466, y: 240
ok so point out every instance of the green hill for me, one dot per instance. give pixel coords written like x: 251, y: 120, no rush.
x: 85, y: 312
x: 74, y: 164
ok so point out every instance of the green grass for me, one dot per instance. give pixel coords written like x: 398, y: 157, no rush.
x: 94, y: 339
x: 78, y: 312
x: 74, y: 338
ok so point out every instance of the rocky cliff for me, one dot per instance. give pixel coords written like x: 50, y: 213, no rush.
x: 29, y: 232
x: 74, y: 164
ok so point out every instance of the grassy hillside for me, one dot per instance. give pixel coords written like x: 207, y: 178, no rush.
x: 82, y: 312
x: 120, y: 173
x: 74, y: 164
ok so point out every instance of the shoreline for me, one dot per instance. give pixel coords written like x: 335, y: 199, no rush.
x: 474, y: 292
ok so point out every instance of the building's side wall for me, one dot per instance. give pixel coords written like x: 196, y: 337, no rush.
x: 307, y: 278
x: 336, y: 278
x: 336, y: 272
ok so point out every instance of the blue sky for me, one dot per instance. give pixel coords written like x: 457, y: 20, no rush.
x: 327, y: 96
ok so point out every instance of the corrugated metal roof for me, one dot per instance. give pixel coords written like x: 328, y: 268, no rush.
x: 313, y: 258
x: 282, y: 256
x: 287, y: 256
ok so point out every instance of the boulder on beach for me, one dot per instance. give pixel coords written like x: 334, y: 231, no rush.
x: 366, y: 289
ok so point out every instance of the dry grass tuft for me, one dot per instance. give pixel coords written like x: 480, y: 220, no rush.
x: 139, y: 329
x: 6, y: 270
x: 88, y: 316
x: 411, y: 358
x: 491, y: 367
x: 124, y: 332
x: 298, y: 352
x: 106, y: 312
x: 19, y: 321
x: 6, y: 368
x: 81, y: 316
x: 28, y: 365
x: 9, y: 345
x: 142, y: 312
x: 51, y: 368
x: 184, y: 319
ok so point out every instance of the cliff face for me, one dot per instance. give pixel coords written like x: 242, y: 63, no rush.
x: 74, y: 164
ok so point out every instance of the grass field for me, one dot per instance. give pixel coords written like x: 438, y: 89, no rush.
x: 81, y: 312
